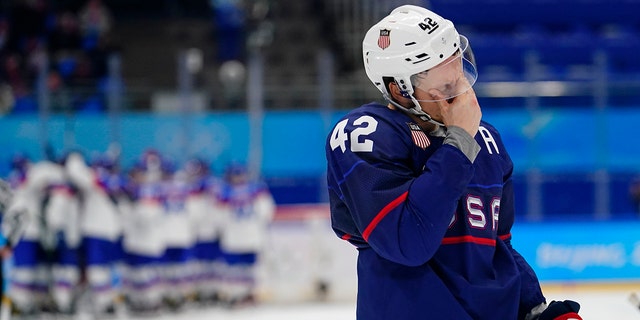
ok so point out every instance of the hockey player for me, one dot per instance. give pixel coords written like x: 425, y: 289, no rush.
x: 100, y: 226
x: 423, y: 188
x: 62, y: 241
x: 248, y: 208
x: 30, y: 275
x: 179, y: 240
x: 143, y: 241
x: 204, y: 214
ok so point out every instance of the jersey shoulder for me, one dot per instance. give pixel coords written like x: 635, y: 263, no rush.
x: 376, y: 118
x: 489, y: 127
x: 491, y: 142
x: 378, y: 111
x: 494, y: 133
x: 371, y: 128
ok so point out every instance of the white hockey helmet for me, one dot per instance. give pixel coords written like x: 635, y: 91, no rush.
x: 418, y: 49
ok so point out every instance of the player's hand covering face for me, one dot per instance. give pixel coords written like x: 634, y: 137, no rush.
x: 449, y: 79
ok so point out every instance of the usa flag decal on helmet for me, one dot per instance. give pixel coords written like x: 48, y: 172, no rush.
x: 420, y: 139
x: 384, y: 41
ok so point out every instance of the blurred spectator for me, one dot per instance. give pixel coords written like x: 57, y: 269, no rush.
x: 14, y: 76
x: 99, y: 56
x: 35, y: 56
x: 260, y: 29
x: 28, y: 19
x: 64, y: 44
x: 66, y: 33
x: 229, y: 25
x: 232, y: 75
x: 60, y: 98
x: 95, y: 23
x: 6, y: 98
x: 12, y: 73
x: 4, y: 32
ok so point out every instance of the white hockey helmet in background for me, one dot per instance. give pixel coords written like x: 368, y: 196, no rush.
x: 415, y: 47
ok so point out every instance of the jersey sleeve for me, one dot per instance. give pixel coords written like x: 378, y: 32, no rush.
x: 379, y: 200
x: 531, y: 292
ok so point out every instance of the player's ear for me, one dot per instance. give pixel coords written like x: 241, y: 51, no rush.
x: 398, y: 94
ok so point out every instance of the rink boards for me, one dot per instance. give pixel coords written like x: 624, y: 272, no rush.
x: 304, y: 261
x: 303, y: 254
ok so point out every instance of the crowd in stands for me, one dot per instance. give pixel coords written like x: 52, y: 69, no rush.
x: 72, y: 44
x: 566, y: 37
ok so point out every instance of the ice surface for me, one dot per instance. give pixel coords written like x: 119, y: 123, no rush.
x: 596, y: 304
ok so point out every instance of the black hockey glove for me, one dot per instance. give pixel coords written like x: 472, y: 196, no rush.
x: 561, y: 310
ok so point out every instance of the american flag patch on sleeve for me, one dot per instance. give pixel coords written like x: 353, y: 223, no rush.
x: 420, y: 139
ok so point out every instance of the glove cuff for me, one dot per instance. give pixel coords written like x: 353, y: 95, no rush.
x: 569, y: 316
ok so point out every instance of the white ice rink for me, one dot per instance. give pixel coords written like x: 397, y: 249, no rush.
x: 600, y: 303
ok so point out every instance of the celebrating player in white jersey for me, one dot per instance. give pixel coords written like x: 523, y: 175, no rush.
x: 248, y: 209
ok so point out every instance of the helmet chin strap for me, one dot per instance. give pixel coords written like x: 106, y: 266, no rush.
x: 416, y: 110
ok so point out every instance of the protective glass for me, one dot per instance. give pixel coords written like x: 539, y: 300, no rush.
x: 450, y: 78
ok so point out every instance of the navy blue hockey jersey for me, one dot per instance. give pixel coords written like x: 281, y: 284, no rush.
x: 432, y: 229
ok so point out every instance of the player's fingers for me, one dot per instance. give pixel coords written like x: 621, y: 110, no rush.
x: 468, y: 98
x: 471, y: 96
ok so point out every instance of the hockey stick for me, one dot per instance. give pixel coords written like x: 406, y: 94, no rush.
x: 5, y: 313
x: 5, y: 307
